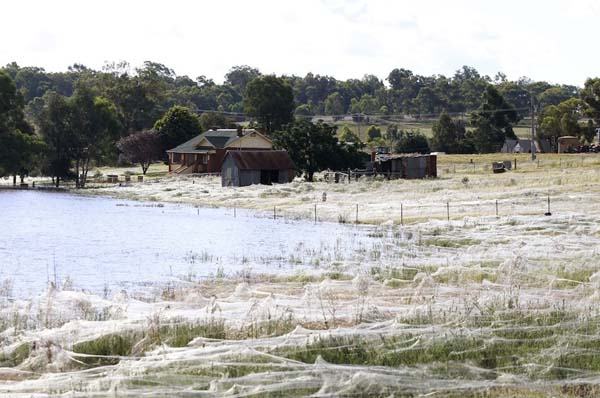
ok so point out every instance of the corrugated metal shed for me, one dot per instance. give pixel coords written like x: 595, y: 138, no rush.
x: 242, y: 168
x: 406, y: 166
x: 261, y: 160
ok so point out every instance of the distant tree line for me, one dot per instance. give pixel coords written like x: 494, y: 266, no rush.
x: 62, y: 123
x: 143, y: 94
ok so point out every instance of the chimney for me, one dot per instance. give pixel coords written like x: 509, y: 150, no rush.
x: 240, y: 131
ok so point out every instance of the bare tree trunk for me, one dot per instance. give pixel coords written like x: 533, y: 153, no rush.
x: 14, y: 179
x: 85, y: 170
x: 77, y: 173
x: 57, y: 181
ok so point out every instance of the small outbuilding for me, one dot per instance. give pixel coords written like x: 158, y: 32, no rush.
x: 567, y: 143
x: 406, y: 166
x: 243, y: 168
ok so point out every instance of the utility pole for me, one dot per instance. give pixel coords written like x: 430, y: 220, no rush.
x: 532, y: 128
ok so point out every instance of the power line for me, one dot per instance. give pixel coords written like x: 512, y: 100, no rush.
x: 220, y: 112
x: 377, y: 115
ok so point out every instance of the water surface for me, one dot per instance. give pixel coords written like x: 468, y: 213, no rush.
x: 101, y: 243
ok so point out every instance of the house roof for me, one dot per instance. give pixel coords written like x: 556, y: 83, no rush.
x: 509, y: 145
x: 524, y: 145
x: 218, y: 139
x: 261, y: 160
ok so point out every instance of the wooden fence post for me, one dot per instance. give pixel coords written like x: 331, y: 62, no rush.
x: 401, y: 214
x: 548, y: 213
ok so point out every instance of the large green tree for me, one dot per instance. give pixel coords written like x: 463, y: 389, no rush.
x: 591, y: 95
x: 557, y: 94
x: 239, y: 76
x: 137, y: 106
x: 22, y: 153
x: 54, y: 123
x: 178, y: 124
x: 19, y: 146
x: 493, y: 121
x: 367, y: 104
x: 79, y: 132
x: 334, y: 104
x: 563, y: 119
x: 470, y: 86
x: 450, y: 136
x: 270, y: 100
x: 315, y: 147
x: 9, y: 103
x: 95, y: 128
x: 516, y: 93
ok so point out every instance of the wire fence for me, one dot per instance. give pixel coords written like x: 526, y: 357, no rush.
x: 518, y: 164
x: 411, y: 213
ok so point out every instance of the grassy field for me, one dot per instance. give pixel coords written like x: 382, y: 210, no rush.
x: 155, y: 170
x: 522, y: 130
x: 482, y: 305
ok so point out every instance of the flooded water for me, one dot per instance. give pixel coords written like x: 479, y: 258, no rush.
x: 101, y: 243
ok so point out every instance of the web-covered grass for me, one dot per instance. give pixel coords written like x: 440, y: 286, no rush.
x: 480, y: 306
x: 465, y: 184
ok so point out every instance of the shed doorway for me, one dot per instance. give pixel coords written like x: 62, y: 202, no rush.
x: 267, y: 177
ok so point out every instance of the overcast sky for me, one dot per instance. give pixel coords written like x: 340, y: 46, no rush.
x: 554, y: 40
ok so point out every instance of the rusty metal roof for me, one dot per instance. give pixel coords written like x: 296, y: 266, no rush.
x: 261, y: 160
x: 392, y: 156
